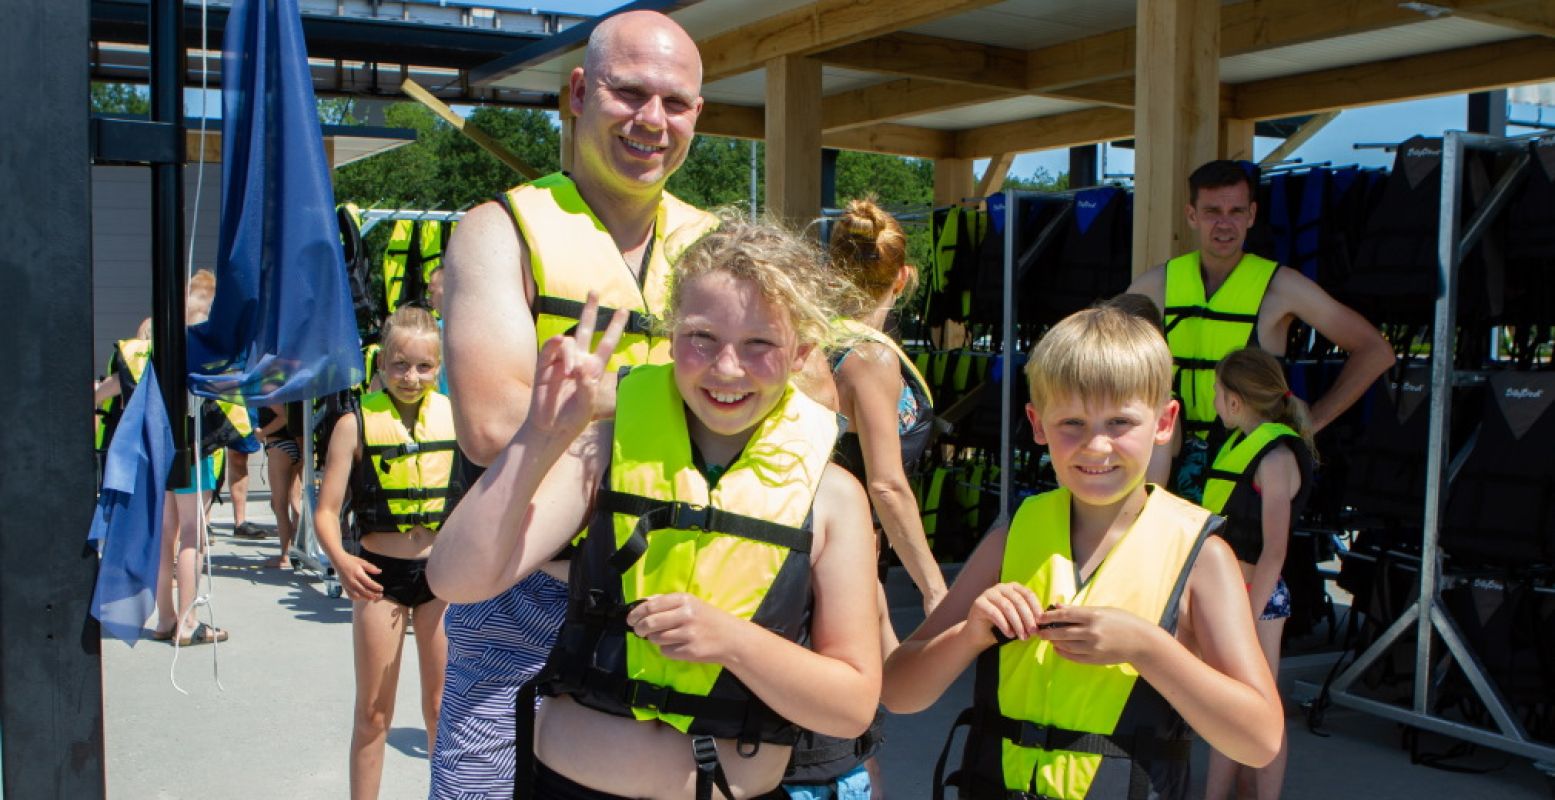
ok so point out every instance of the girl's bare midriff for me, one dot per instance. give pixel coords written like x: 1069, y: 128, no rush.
x: 412, y: 545
x: 647, y: 760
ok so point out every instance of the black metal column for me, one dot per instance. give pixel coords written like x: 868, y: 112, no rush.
x: 167, y: 226
x: 51, y: 699
x: 1084, y: 163
x: 828, y: 177
x: 1487, y: 112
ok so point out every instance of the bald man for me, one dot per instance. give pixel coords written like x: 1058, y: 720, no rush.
x: 518, y: 271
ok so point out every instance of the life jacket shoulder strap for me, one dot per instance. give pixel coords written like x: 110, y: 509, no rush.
x: 655, y: 515
x: 1142, y: 745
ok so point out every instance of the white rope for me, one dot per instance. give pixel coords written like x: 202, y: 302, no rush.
x: 202, y: 541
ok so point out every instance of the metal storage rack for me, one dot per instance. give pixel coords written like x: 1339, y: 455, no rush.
x: 1426, y: 614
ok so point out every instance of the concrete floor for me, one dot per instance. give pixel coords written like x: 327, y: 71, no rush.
x: 268, y: 713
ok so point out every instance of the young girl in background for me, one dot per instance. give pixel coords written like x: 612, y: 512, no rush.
x: 1259, y: 481
x: 398, y: 458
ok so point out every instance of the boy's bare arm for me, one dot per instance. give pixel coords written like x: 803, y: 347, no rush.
x: 920, y: 670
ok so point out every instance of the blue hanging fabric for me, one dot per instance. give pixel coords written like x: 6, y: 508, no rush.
x: 127, y: 525
x: 282, y: 327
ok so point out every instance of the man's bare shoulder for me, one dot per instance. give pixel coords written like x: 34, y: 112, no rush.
x: 1151, y: 283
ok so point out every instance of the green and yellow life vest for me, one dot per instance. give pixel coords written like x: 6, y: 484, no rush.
x: 1050, y: 727
x: 1229, y: 491
x: 571, y: 254
x: 412, y: 244
x: 742, y: 545
x: 406, y: 477
x: 127, y: 363
x: 1202, y: 331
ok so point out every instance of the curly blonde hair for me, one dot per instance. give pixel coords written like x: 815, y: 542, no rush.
x: 788, y: 269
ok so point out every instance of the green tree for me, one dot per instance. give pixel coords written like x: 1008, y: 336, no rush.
x: 120, y: 98
x: 717, y: 174
x: 337, y: 110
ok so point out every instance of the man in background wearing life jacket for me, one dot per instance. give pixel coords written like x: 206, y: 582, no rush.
x: 518, y: 272
x: 1218, y: 299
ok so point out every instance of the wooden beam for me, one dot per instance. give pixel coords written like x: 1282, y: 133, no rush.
x: 952, y: 180
x: 896, y: 99
x: 1467, y: 69
x: 1046, y: 133
x: 1117, y: 92
x: 1236, y: 139
x: 993, y: 177
x: 1094, y: 58
x: 793, y: 127
x: 1300, y: 137
x: 932, y: 58
x: 897, y: 140
x: 737, y: 122
x: 1536, y: 18
x: 497, y: 150
x: 815, y: 27
x: 1176, y: 119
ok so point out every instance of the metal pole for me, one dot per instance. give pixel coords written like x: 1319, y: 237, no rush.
x: 51, y: 717
x: 167, y: 229
x: 1007, y: 364
x: 753, y: 180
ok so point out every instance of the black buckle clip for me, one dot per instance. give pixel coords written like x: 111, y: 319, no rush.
x: 1035, y: 735
x: 704, y: 751
x: 687, y: 517
x: 641, y: 694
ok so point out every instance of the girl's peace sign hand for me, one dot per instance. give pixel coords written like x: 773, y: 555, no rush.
x: 567, y: 373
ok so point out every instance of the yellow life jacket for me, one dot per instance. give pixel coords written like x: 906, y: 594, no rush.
x: 571, y: 253
x: 237, y: 414
x: 742, y: 545
x: 369, y: 365
x: 415, y: 249
x: 405, y: 478
x: 1054, y: 728
x: 1202, y: 331
x: 1228, y: 485
x: 128, y: 363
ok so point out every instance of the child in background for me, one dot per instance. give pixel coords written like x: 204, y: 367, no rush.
x: 1259, y: 481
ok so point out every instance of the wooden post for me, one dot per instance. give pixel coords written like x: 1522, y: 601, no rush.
x: 1176, y: 119
x: 793, y: 134
x: 952, y: 180
x: 993, y: 177
x: 1236, y: 139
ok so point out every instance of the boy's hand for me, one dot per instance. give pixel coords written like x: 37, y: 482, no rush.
x: 1009, y: 608
x: 1089, y: 635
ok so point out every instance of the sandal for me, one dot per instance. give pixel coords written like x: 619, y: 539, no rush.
x: 203, y: 634
x: 161, y: 636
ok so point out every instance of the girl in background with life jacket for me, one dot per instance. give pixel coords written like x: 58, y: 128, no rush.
x: 396, y: 455
x: 715, y: 601
x: 1259, y: 481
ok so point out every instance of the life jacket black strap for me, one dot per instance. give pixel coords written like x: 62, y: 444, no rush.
x: 524, y: 742
x: 940, y: 780
x: 710, y: 773
x: 1184, y: 362
x: 636, y: 321
x: 1202, y: 312
x: 411, y: 494
x: 655, y: 515
x: 388, y: 451
x: 1137, y: 746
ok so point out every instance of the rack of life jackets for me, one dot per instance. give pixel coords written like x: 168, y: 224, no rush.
x: 1448, y: 474
x: 1061, y: 251
x: 414, y: 251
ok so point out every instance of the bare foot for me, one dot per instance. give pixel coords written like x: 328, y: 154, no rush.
x: 279, y: 562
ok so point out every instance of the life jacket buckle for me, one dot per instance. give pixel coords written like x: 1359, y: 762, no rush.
x: 688, y: 517
x: 1032, y: 734
x: 642, y: 694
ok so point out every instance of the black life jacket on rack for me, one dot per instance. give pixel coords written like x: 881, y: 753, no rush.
x: 1386, y: 468
x: 1530, y: 241
x: 1092, y: 259
x: 1394, y: 275
x: 1501, y: 506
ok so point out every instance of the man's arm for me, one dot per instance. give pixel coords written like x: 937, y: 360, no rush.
x: 489, y: 342
x: 1152, y: 284
x: 1370, y: 354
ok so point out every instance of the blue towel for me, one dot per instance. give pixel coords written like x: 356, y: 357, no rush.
x: 127, y: 525
x: 282, y: 326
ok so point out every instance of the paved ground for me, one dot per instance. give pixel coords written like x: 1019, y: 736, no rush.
x: 277, y: 723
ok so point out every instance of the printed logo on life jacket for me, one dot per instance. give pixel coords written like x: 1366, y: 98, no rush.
x: 1418, y: 159
x: 1413, y: 387
x: 1523, y: 399
x: 1523, y: 393
x: 1088, y: 206
x: 1423, y: 152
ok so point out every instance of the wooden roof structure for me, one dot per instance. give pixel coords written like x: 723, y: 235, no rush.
x: 958, y: 80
